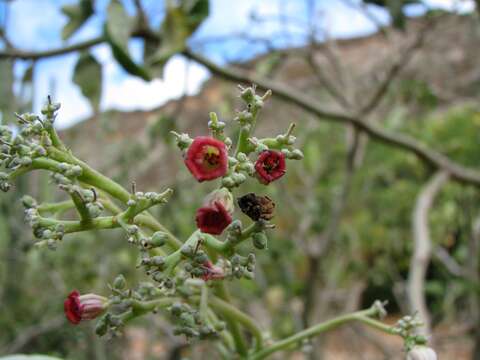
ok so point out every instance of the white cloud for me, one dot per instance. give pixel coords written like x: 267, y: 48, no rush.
x: 133, y: 93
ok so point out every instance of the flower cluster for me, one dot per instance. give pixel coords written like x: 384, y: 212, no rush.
x: 208, y: 158
x: 185, y: 277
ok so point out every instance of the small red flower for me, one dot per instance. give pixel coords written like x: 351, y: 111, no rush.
x: 212, y: 272
x: 207, y: 158
x: 213, y: 219
x: 270, y: 166
x: 83, y: 307
x: 216, y: 213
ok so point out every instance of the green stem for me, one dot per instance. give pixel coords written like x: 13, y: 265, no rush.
x: 81, y: 207
x: 362, y: 316
x: 56, y: 208
x: 71, y: 226
x: 94, y: 178
x: 232, y: 312
x: 232, y: 324
x: 226, y: 247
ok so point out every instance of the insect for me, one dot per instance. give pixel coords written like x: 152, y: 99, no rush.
x: 256, y: 207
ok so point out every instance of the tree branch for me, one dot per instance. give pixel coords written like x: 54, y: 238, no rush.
x: 35, y: 55
x: 431, y: 157
x: 422, y: 248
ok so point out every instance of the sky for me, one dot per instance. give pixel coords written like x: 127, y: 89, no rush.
x: 37, y: 24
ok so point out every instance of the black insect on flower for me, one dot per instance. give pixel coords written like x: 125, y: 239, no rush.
x: 256, y: 207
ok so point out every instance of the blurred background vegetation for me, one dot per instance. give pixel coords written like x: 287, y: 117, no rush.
x: 348, y: 217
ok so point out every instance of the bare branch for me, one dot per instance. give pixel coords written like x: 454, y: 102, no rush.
x: 458, y: 172
x: 35, y: 55
x: 395, y: 69
x: 422, y: 248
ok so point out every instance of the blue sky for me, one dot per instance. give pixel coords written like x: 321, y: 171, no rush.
x: 36, y: 25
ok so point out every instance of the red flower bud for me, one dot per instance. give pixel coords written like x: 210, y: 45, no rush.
x: 83, y: 307
x: 207, y: 158
x: 270, y: 166
x: 212, y: 272
x: 216, y: 213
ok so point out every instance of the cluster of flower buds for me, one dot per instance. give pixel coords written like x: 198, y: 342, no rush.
x: 189, y: 322
x: 30, y: 143
x: 199, y: 265
x: 407, y: 327
x: 243, y: 266
x: 48, y: 233
x: 123, y: 303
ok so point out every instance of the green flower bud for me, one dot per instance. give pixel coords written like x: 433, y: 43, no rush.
x: 186, y: 250
x: 176, y: 309
x: 238, y: 178
x: 158, y: 261
x: 119, y: 282
x: 200, y: 258
x: 232, y: 161
x: 260, y: 240
x: 102, y: 326
x: 296, y: 154
x: 26, y: 161
x: 228, y: 182
x: 29, y: 202
x: 242, y: 157
x: 281, y: 139
x: 94, y: 210
x: 159, y: 238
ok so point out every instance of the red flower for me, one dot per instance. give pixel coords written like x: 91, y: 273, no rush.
x: 212, y: 272
x: 216, y: 213
x: 270, y: 166
x: 83, y: 307
x: 207, y: 158
x: 213, y: 219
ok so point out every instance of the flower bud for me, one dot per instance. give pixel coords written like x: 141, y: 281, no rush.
x: 158, y: 239
x: 119, y: 282
x: 260, y: 240
x: 420, y: 352
x: 296, y: 154
x: 83, y: 307
x: 29, y: 202
x: 211, y: 272
x: 101, y: 327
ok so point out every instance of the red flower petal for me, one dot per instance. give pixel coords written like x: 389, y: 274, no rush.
x: 270, y: 166
x: 207, y: 158
x: 72, y: 307
x: 213, y: 219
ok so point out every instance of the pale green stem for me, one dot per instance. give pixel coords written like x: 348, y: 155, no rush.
x: 295, y: 340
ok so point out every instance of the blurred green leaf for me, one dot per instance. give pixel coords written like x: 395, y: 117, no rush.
x: 180, y: 22
x: 88, y: 76
x: 78, y: 14
x: 118, y: 29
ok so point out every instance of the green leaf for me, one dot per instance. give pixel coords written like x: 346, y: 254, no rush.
x: 88, y: 76
x: 118, y: 29
x: 180, y: 22
x: 78, y: 14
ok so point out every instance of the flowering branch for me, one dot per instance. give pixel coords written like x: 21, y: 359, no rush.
x: 181, y: 272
